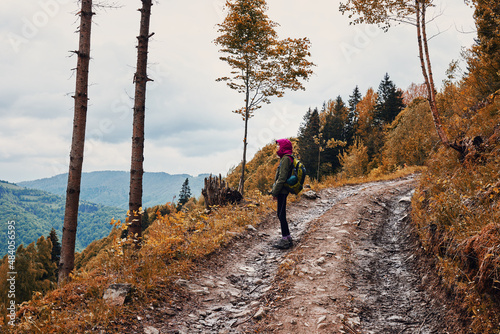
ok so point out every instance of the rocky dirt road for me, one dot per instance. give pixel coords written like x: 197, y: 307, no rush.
x: 355, y: 268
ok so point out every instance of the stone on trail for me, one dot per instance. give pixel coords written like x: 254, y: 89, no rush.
x: 116, y: 294
x: 310, y: 194
x: 151, y: 330
x: 260, y: 313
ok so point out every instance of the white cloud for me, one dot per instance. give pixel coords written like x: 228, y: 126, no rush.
x: 189, y: 124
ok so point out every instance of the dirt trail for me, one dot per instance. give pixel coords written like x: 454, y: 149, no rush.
x: 354, y: 268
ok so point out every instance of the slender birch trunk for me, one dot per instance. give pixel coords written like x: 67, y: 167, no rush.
x: 241, y: 186
x: 427, y: 70
x: 67, y: 260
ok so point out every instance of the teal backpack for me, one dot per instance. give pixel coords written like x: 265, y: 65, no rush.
x: 295, y: 182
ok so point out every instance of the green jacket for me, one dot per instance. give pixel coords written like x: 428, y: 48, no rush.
x: 282, y: 174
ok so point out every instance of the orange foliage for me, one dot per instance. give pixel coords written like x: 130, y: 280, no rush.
x: 171, y: 246
x: 365, y: 109
x: 413, y: 92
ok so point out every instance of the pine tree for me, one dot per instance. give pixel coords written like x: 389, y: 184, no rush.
x: 352, y: 116
x: 56, y: 246
x: 354, y: 99
x: 47, y: 267
x: 184, y: 195
x: 389, y: 102
x: 334, y: 129
x: 308, y: 150
x: 31, y: 270
x: 36, y: 271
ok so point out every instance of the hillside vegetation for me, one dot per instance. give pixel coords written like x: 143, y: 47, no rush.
x: 36, y: 212
x: 455, y: 209
x: 385, y: 133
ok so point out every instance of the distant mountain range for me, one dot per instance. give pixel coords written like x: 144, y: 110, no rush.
x: 111, y: 188
x: 36, y: 212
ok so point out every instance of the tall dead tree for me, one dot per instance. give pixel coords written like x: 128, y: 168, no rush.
x: 67, y: 260
x: 136, y: 167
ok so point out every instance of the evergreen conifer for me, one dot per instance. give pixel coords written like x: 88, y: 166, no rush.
x: 184, y: 195
x: 56, y: 246
x: 308, y: 149
x: 389, y: 102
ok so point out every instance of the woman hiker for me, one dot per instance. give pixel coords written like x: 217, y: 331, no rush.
x: 280, y: 192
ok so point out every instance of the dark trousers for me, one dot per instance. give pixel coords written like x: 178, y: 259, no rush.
x: 282, y: 214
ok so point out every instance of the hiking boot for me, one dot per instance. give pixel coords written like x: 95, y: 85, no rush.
x: 284, y: 243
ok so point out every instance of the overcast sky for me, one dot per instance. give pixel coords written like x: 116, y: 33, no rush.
x: 189, y: 125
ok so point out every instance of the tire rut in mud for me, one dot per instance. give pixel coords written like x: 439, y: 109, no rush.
x: 369, y: 270
x: 232, y: 286
x: 389, y: 288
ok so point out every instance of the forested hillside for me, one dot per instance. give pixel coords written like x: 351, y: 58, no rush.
x: 36, y: 212
x: 447, y: 138
x: 367, y: 136
x: 111, y: 187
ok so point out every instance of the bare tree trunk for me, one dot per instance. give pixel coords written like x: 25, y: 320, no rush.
x: 319, y: 160
x: 67, y: 260
x: 136, y: 167
x: 425, y: 63
x: 427, y: 71
x: 241, y: 186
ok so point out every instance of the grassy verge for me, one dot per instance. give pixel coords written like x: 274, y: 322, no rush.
x: 456, y: 209
x: 172, y: 246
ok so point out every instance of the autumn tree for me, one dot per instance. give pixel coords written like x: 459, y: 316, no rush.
x: 334, y: 132
x: 67, y: 261
x: 410, y: 138
x: 366, y: 129
x: 262, y: 66
x: 414, y: 91
x: 137, y: 160
x: 354, y: 160
x: 484, y: 59
x: 386, y: 12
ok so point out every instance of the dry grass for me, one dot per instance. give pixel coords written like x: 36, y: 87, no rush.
x: 172, y: 246
x: 457, y: 211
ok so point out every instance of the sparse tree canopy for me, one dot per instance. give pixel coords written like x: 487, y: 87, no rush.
x: 384, y: 13
x: 262, y: 65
